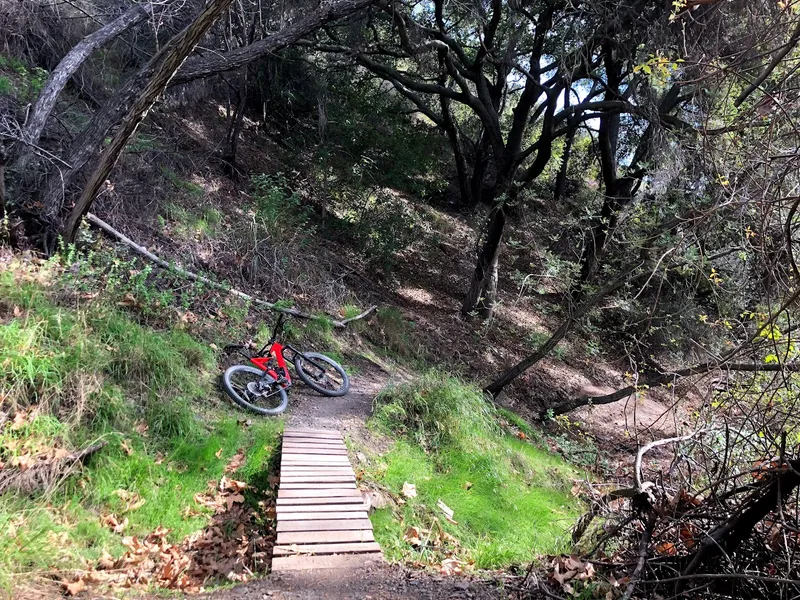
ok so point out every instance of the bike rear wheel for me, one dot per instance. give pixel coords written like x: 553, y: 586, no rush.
x: 322, y: 374
x: 254, y: 390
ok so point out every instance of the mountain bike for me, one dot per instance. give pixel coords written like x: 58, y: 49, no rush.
x: 263, y: 388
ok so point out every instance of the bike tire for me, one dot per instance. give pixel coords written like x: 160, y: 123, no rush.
x: 243, y: 402
x: 314, y: 382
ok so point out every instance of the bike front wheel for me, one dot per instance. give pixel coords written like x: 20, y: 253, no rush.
x: 254, y: 390
x: 322, y: 374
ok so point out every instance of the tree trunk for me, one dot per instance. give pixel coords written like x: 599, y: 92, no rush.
x: 511, y: 374
x: 462, y: 171
x: 563, y: 169
x: 163, y: 67
x: 235, y: 128
x: 480, y: 163
x: 483, y: 285
x: 37, y: 120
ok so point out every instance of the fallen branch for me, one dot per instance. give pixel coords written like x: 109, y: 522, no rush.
x: 700, y: 369
x: 647, y: 447
x: 43, y: 475
x: 141, y: 250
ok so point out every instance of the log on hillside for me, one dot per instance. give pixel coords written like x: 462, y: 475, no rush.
x: 142, y: 251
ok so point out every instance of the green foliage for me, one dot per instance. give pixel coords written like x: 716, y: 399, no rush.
x: 378, y: 223
x: 21, y: 81
x: 202, y: 223
x: 510, y: 499
x: 436, y: 410
x: 50, y: 354
x: 395, y: 334
x: 187, y: 186
x: 278, y: 206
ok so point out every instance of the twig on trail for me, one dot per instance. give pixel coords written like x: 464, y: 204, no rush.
x: 98, y: 222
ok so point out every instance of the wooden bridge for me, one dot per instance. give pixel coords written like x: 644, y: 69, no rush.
x: 322, y: 516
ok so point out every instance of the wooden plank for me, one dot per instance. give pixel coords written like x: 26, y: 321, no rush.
x: 319, y: 479
x: 315, y: 443
x: 318, y: 516
x: 312, y: 433
x: 312, y: 429
x: 318, y: 486
x: 324, y: 525
x: 324, y: 442
x: 321, y: 470
x: 312, y: 444
x: 316, y: 457
x: 344, y: 548
x: 341, y: 492
x: 324, y: 537
x: 306, y: 501
x: 312, y: 450
x: 320, y: 508
x: 344, y: 562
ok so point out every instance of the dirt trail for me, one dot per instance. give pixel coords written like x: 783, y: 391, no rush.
x: 385, y: 582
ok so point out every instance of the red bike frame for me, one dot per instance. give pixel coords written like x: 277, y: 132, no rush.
x: 275, y: 352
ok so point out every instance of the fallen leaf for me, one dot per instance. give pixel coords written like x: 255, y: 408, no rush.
x: 129, y: 301
x: 59, y: 453
x: 409, y: 490
x: 521, y: 435
x: 133, y: 501
x: 467, y: 485
x: 106, y: 561
x: 218, y: 453
x: 666, y: 549
x: 114, y: 524
x: 236, y: 462
x: 451, y: 566
x: 75, y: 587
x: 233, y: 499
x: 231, y: 485
x: 141, y: 428
x: 124, y: 444
x: 412, y: 536
x: 24, y: 461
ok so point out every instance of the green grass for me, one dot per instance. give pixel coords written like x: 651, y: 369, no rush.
x: 189, y: 224
x: 91, y: 373
x: 511, y: 500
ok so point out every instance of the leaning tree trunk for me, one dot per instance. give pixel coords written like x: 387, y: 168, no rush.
x: 482, y: 290
x: 162, y: 66
x: 35, y: 124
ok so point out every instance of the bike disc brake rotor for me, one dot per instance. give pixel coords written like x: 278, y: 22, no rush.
x: 328, y: 377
